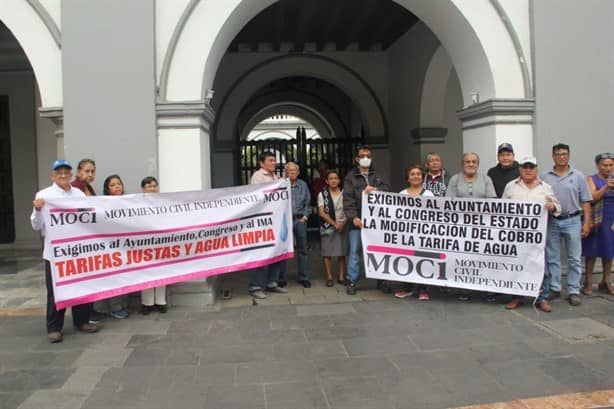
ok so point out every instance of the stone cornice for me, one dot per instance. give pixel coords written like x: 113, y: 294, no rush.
x: 53, y: 113
x: 185, y: 114
x: 496, y: 107
x: 429, y: 135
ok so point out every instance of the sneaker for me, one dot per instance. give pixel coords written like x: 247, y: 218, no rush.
x: 162, y: 309
x: 87, y: 327
x: 259, y: 294
x: 384, y: 287
x: 423, y: 295
x: 351, y: 288
x: 574, y: 299
x: 282, y: 283
x: 278, y: 289
x: 490, y: 297
x: 95, y: 317
x: 554, y: 295
x: 403, y: 294
x: 120, y: 315
x: 55, y: 337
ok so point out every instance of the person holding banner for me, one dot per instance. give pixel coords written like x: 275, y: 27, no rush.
x: 301, y: 198
x: 470, y: 184
x: 266, y: 173
x: 415, y: 175
x: 86, y: 173
x: 333, y: 234
x: 570, y: 187
x: 117, y: 306
x: 600, y: 242
x: 363, y: 178
x: 61, y: 173
x: 529, y: 187
x: 152, y: 298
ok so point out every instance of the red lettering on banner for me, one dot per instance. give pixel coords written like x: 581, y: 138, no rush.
x: 252, y: 237
x: 152, y: 254
x: 88, y: 264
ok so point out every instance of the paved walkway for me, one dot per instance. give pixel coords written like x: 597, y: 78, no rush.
x: 311, y: 349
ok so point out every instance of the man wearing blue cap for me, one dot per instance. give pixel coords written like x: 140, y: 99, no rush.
x: 506, y: 169
x: 61, y: 174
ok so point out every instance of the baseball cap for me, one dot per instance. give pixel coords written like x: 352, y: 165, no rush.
x: 60, y: 163
x: 505, y: 147
x: 528, y: 160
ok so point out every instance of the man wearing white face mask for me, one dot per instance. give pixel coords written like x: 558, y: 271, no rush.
x: 362, y: 178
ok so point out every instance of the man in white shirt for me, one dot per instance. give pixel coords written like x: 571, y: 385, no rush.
x: 61, y: 174
x: 530, y: 187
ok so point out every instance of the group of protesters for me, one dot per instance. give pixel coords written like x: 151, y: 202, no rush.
x: 580, y: 214
x: 86, y: 317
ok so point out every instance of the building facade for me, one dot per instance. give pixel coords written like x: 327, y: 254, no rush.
x: 170, y: 87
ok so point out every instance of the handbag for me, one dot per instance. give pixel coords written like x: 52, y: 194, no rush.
x: 596, y: 215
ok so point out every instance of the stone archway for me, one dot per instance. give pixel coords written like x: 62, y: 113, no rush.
x: 483, y: 54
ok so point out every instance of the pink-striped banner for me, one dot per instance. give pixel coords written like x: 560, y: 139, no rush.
x: 105, y: 246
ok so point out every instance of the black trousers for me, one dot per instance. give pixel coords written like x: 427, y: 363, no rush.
x: 55, y: 318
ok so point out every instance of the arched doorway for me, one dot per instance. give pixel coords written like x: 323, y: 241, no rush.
x: 488, y: 64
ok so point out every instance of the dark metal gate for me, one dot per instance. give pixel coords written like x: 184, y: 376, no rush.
x: 306, y: 152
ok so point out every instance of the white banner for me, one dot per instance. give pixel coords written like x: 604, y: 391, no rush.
x: 105, y: 246
x: 491, y: 245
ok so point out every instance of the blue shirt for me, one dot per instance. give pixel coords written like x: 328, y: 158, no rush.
x: 300, y: 199
x: 571, y: 189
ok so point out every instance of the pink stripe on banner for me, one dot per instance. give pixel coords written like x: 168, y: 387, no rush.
x: 406, y: 252
x: 76, y: 210
x: 138, y: 233
x: 102, y: 295
x: 136, y: 268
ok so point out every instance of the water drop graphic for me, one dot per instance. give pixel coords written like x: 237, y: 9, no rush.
x: 284, y: 228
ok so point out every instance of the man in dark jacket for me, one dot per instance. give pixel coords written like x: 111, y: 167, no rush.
x: 363, y: 178
x: 436, y: 178
x: 506, y: 170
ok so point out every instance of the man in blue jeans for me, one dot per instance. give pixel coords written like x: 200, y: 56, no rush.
x: 571, y: 189
x: 363, y: 178
x: 300, y: 214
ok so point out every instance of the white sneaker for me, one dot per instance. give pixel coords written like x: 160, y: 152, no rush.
x: 258, y: 294
x: 278, y: 289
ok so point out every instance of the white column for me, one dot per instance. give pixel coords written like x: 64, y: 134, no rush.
x: 490, y: 123
x: 184, y: 164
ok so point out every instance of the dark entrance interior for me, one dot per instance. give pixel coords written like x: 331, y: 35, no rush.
x: 7, y: 211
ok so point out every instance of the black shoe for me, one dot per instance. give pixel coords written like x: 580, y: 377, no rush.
x: 385, y: 288
x: 162, y: 308
x: 282, y: 283
x: 554, y: 295
x: 351, y: 288
x: 329, y: 283
x: 95, y: 317
x: 305, y: 283
x: 146, y: 309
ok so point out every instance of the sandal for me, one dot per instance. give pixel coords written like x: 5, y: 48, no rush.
x: 606, y: 288
x: 329, y: 283
x: 586, y: 291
